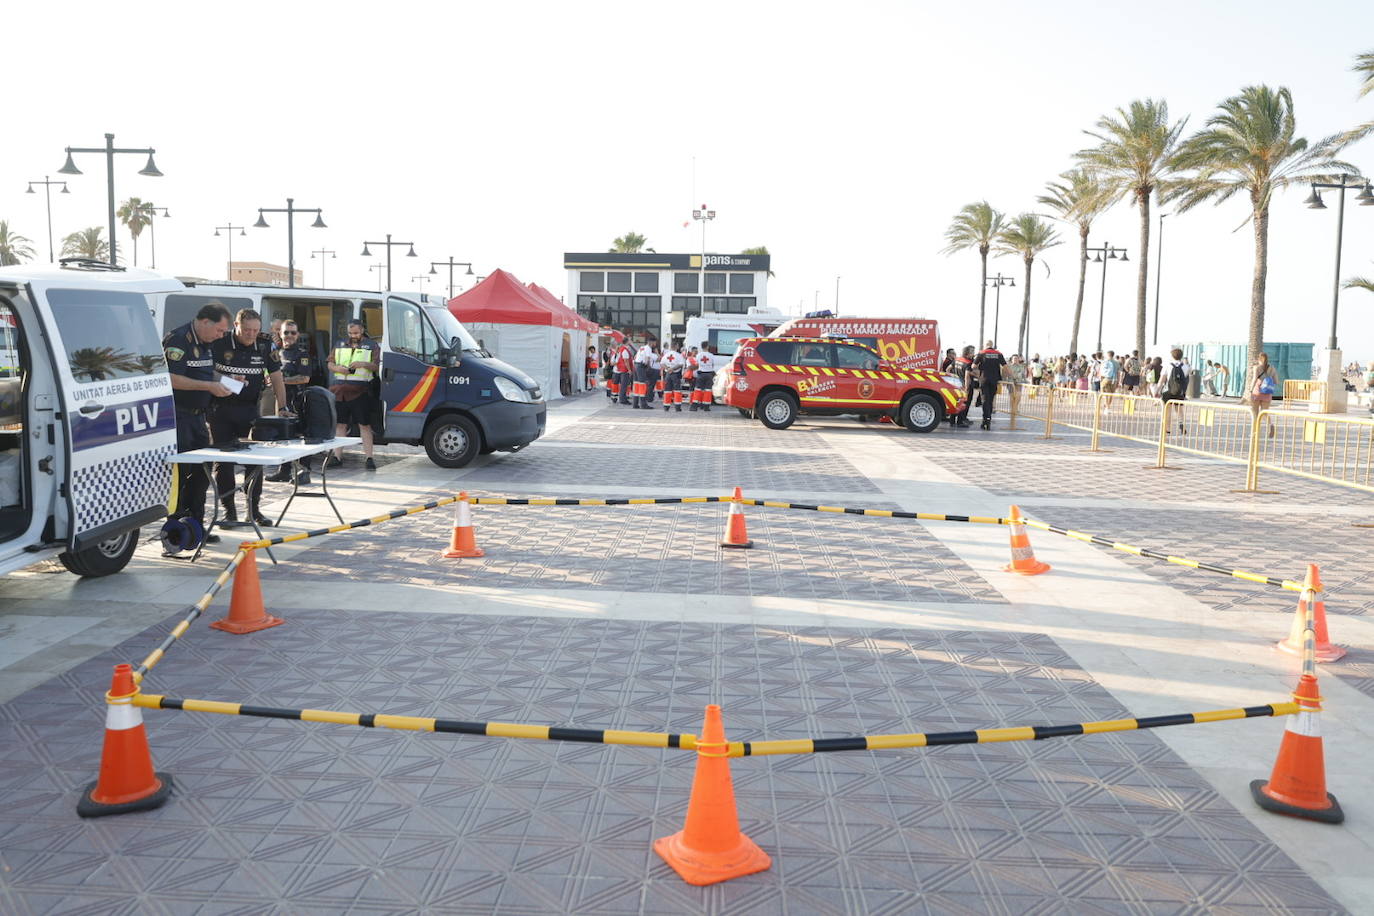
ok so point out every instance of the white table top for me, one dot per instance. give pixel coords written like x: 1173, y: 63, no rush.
x: 264, y: 453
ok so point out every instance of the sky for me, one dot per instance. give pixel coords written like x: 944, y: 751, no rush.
x: 844, y: 137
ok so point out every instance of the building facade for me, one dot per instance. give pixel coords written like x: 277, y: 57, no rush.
x: 652, y: 295
x: 261, y: 272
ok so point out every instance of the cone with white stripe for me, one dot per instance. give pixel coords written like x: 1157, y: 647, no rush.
x: 736, y: 534
x: 1325, y: 651
x: 1297, y: 786
x: 127, y: 781
x: 1023, y: 559
x: 463, y: 542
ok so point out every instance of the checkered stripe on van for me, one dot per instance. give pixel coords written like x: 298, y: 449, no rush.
x: 111, y: 490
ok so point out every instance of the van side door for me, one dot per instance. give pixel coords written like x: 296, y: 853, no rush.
x: 116, y: 404
x: 413, y: 357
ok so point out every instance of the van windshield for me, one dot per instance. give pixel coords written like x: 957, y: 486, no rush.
x: 450, y: 327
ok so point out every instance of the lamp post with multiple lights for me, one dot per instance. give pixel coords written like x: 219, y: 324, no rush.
x: 291, y: 210
x: 1334, y: 399
x: 704, y: 216
x: 450, y: 264
x: 322, y: 252
x: 153, y: 213
x: 47, y: 192
x: 998, y: 282
x: 110, y: 151
x: 389, y: 244
x: 1101, y: 256
x: 229, y: 229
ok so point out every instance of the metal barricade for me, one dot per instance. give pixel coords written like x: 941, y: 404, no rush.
x: 1074, y: 408
x: 1299, y: 394
x: 1337, y: 450
x: 1131, y: 416
x: 1208, y: 428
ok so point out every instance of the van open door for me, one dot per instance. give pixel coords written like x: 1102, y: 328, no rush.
x: 117, y: 414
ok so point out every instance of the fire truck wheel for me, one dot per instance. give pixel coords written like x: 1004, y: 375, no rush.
x: 921, y: 413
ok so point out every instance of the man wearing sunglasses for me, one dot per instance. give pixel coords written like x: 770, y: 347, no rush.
x: 296, y: 368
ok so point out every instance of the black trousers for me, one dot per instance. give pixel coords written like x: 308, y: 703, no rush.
x: 622, y: 380
x: 989, y: 395
x: 191, y: 479
x: 230, y: 421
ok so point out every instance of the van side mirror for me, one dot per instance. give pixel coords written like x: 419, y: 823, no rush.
x: 455, y: 351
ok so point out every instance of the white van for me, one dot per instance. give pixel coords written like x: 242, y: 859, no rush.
x: 86, y: 416
x: 721, y: 330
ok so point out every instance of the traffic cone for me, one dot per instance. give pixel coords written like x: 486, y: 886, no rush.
x: 736, y: 535
x: 710, y: 847
x: 127, y: 781
x: 246, y: 612
x: 1023, y: 559
x: 1297, y: 787
x: 463, y: 542
x: 1325, y: 651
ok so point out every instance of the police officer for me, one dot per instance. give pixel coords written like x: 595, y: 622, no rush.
x: 673, y: 363
x: 194, y: 382
x: 353, y: 365
x: 248, y: 356
x: 963, y: 368
x: 297, y: 366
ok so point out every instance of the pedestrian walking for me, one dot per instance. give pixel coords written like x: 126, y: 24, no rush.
x: 1261, y: 382
x: 1174, y: 387
x: 987, y: 370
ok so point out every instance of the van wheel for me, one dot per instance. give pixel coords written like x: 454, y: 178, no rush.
x: 920, y: 413
x: 777, y: 410
x: 105, y: 558
x: 452, y: 441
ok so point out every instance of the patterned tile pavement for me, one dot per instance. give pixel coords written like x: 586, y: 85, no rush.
x: 658, y: 549
x: 280, y: 816
x: 657, y: 429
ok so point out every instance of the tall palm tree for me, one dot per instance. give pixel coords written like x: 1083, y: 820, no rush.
x: 629, y: 243
x: 88, y: 243
x: 14, y: 248
x: 1364, y: 67
x: 135, y: 213
x: 1250, y: 145
x: 1133, y: 157
x: 976, y: 226
x: 1028, y: 236
x: 1079, y: 198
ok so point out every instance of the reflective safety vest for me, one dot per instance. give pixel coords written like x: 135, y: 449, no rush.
x: 345, y: 355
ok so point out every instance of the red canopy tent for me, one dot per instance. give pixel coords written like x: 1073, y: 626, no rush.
x: 553, y: 302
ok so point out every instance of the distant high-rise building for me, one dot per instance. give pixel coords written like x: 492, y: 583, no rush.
x: 261, y: 272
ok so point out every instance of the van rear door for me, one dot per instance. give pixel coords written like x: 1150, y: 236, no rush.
x: 116, y: 406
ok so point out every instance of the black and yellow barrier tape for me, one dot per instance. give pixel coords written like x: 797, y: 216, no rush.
x: 878, y: 513
x: 196, y: 610
x: 689, y: 742
x: 1287, y: 584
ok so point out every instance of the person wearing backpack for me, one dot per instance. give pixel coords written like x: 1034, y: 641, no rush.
x: 1175, y: 383
x: 1260, y: 384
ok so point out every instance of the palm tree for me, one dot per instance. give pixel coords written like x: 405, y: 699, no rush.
x: 1027, y: 235
x: 1359, y: 283
x: 759, y: 249
x: 976, y: 226
x: 629, y: 243
x: 1133, y: 157
x: 14, y: 248
x: 96, y: 364
x: 134, y: 214
x: 87, y: 243
x: 1250, y: 145
x: 1364, y: 66
x: 1079, y: 198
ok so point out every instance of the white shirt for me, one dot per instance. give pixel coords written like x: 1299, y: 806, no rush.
x: 706, y: 362
x: 644, y: 355
x: 672, y: 361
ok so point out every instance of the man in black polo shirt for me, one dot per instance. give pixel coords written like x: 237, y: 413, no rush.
x: 194, y: 383
x: 246, y: 355
x: 987, y: 372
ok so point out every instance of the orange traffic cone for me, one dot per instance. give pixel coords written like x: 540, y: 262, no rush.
x: 127, y: 781
x: 1325, y: 651
x: 1023, y: 559
x: 710, y: 848
x: 736, y: 535
x: 463, y: 542
x: 1297, y: 786
x: 246, y: 611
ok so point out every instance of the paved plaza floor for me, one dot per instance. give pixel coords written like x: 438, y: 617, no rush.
x: 634, y: 618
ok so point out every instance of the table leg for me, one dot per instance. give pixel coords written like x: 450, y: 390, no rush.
x: 214, y: 509
x: 255, y: 471
x: 295, y: 488
x: 324, y: 486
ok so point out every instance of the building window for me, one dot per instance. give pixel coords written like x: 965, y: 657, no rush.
x: 742, y: 283
x: 593, y: 281
x: 685, y: 283
x: 648, y: 283
x: 618, y: 281
x: 715, y: 283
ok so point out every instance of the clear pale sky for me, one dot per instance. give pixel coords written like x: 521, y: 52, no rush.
x: 842, y: 136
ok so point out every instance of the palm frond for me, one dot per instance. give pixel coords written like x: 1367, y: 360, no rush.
x: 1358, y: 283
x: 975, y: 226
x: 1364, y: 65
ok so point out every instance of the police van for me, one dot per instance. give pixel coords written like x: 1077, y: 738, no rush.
x: 437, y: 388
x: 86, y: 416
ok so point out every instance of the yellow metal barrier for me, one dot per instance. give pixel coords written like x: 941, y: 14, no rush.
x: 1131, y: 416
x: 1299, y: 394
x: 1330, y: 449
x: 1210, y: 429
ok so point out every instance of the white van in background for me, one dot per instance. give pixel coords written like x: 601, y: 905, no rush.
x: 722, y: 330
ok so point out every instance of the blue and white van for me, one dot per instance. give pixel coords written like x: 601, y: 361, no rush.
x: 86, y: 416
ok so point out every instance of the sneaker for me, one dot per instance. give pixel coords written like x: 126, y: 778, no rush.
x: 212, y: 539
x: 333, y: 461
x: 370, y: 464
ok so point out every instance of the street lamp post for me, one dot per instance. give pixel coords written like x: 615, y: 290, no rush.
x: 1101, y: 256
x: 69, y: 168
x: 47, y: 192
x: 389, y: 244
x: 1159, y: 276
x: 322, y: 252
x: 704, y: 216
x: 291, y: 210
x: 152, y: 226
x: 837, y: 295
x: 381, y: 278
x: 229, y: 229
x: 423, y: 278
x: 1334, y: 398
x: 999, y: 281
x: 451, y: 264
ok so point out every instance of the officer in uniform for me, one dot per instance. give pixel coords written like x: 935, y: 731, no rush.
x: 194, y: 382
x: 297, y: 366
x: 353, y: 365
x: 248, y: 356
x: 673, y: 363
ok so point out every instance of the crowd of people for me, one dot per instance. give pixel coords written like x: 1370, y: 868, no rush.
x: 638, y: 377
